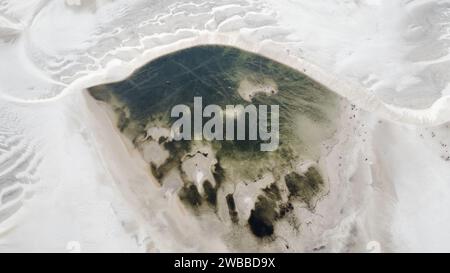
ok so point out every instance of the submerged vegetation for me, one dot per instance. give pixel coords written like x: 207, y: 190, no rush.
x: 304, y: 186
x: 262, y: 217
x: 216, y: 73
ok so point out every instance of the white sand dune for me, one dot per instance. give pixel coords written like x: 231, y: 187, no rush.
x: 63, y: 173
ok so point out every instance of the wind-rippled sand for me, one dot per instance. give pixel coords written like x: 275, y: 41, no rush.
x: 67, y: 174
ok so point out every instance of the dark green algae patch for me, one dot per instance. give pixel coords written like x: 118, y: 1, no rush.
x: 214, y: 73
x: 304, y: 186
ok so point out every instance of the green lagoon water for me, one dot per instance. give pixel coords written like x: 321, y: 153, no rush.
x: 308, y: 112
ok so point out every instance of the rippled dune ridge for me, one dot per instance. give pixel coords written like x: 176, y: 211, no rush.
x: 260, y: 185
x: 86, y: 163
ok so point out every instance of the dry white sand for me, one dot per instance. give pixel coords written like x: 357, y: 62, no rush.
x: 248, y: 89
x: 67, y: 176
